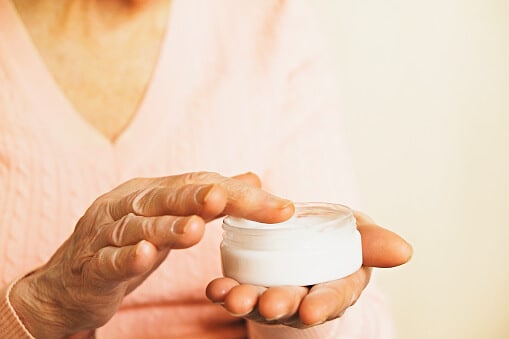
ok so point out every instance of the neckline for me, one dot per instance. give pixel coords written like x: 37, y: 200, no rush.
x: 67, y: 113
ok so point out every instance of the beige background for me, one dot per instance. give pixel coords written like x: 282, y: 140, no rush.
x: 426, y: 89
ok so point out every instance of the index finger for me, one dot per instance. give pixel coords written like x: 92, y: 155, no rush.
x: 206, y: 194
x: 244, y: 197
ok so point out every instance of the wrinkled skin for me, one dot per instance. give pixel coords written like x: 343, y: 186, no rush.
x: 123, y: 237
x: 126, y: 234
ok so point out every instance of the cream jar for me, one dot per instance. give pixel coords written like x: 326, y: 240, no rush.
x: 318, y: 244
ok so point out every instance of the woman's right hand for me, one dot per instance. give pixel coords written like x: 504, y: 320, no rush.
x: 123, y: 237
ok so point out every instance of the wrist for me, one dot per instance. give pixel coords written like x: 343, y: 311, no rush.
x: 35, y: 309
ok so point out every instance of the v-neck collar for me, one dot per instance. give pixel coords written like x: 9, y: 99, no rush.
x: 144, y: 117
x: 184, y: 72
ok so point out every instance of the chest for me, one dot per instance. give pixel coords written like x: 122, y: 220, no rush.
x: 105, y: 90
x: 102, y: 68
x: 52, y: 167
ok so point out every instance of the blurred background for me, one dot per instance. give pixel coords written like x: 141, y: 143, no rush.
x: 426, y: 94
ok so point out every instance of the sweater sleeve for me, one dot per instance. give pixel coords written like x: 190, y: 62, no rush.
x: 10, y: 324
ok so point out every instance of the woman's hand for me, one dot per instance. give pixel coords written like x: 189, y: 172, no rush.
x: 299, y: 306
x: 123, y: 237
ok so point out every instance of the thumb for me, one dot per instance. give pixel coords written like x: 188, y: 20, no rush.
x: 383, y: 248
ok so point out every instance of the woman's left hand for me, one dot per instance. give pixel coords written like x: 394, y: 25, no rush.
x: 299, y: 306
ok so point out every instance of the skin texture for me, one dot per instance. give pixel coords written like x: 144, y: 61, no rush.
x: 123, y: 237
x: 81, y: 41
x: 125, y: 234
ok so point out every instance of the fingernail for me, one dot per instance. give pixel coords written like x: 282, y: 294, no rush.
x: 317, y: 322
x: 287, y: 207
x: 203, y: 193
x: 279, y: 316
x: 180, y: 226
x: 139, y: 248
x: 409, y: 250
x: 287, y: 204
x: 279, y: 203
x: 240, y: 315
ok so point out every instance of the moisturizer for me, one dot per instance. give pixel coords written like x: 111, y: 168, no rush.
x: 318, y: 244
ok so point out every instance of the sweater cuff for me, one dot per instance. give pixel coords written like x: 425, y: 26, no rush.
x: 10, y: 324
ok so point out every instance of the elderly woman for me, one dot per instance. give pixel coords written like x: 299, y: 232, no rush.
x: 96, y: 93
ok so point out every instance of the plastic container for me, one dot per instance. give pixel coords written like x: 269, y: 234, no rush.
x: 318, y: 244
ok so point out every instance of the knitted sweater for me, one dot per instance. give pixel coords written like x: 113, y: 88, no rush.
x: 236, y: 88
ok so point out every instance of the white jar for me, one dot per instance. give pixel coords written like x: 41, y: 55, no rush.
x: 318, y: 244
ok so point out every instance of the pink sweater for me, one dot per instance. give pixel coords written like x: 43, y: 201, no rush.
x: 237, y: 88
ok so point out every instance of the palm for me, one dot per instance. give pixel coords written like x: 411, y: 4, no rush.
x: 299, y: 306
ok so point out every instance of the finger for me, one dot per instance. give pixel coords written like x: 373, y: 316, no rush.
x: 206, y: 200
x: 250, y: 179
x: 206, y: 194
x: 253, y: 203
x: 329, y: 300
x: 383, y: 248
x: 242, y: 299
x: 116, y: 264
x: 244, y: 200
x: 164, y: 231
x: 281, y: 302
x: 218, y: 289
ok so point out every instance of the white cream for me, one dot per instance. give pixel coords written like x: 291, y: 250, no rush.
x: 318, y: 244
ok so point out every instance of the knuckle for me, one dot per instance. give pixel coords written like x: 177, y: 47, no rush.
x: 130, y: 186
x: 113, y: 208
x: 139, y: 200
x: 201, y: 177
x: 173, y: 199
x: 136, y: 182
x: 118, y: 232
x: 189, y: 192
x: 130, y: 182
x: 149, y: 229
x: 78, y: 266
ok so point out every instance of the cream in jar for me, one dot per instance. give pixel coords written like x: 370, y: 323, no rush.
x: 318, y: 244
